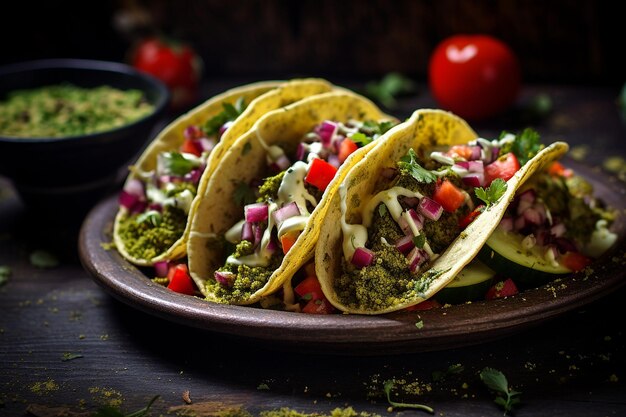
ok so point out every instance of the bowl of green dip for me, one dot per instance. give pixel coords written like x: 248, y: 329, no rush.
x: 69, y: 128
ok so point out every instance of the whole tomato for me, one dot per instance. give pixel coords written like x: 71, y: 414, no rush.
x: 474, y: 76
x: 176, y: 64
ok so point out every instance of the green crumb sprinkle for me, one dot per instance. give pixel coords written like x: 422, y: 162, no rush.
x: 45, y: 387
x: 107, y: 245
x: 43, y: 259
x: 613, y: 378
x: 420, y: 324
x: 263, y: 387
x: 68, y: 356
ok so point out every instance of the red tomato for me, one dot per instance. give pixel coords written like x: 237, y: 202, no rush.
x: 180, y: 281
x: 450, y: 197
x: 504, y: 167
x: 474, y: 76
x: 191, y: 146
x: 424, y: 305
x: 177, y: 65
x: 320, y: 174
x: 575, y: 261
x: 288, y: 239
x: 470, y: 217
x: 318, y: 307
x: 346, y: 148
x: 310, y: 285
x: 502, y: 289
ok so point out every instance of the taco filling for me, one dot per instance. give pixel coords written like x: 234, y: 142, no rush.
x: 158, y: 201
x: 422, y: 204
x: 284, y: 202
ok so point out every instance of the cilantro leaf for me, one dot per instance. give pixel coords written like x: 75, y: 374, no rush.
x: 526, y: 145
x: 229, y: 113
x: 492, y: 194
x: 409, y: 164
x: 361, y: 139
x: 388, y: 386
x: 456, y: 368
x: 497, y: 382
x: 388, y: 88
x: 419, y: 241
x: 382, y: 210
x: 176, y: 163
x: 376, y: 129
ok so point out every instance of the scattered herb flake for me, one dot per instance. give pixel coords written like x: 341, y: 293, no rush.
x: 5, y: 273
x: 43, y: 259
x: 409, y: 164
x: 388, y: 386
x: 243, y: 194
x: 229, y: 113
x: 177, y: 164
x: 526, y: 145
x: 361, y: 139
x: 420, y: 324
x: 68, y: 356
x: 496, y: 381
x: 263, y: 387
x: 419, y: 241
x: 108, y: 411
x: 456, y: 368
x: 491, y: 194
x: 382, y: 210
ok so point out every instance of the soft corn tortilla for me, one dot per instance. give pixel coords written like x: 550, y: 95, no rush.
x: 261, y: 97
x: 425, y: 129
x: 246, y: 161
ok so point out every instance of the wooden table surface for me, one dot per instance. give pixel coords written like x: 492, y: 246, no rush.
x: 68, y: 348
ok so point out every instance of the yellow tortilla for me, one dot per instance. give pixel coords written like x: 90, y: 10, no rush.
x: 261, y: 97
x: 244, y: 162
x: 425, y: 129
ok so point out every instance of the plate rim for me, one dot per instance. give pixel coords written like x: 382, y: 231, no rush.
x: 450, y: 327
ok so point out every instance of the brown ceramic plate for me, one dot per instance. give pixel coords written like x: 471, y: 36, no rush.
x: 351, y: 334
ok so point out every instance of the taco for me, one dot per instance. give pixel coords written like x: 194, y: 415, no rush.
x: 257, y: 222
x: 404, y: 223
x: 159, y: 195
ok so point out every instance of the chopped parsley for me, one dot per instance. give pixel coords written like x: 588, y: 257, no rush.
x: 525, y: 146
x: 419, y: 241
x: 229, y: 113
x: 177, y: 164
x: 409, y: 165
x: 491, y: 194
x: 151, y: 216
x: 386, y: 90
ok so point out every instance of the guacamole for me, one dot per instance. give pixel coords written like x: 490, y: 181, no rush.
x: 67, y: 110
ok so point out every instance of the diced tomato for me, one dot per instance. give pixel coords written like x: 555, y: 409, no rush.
x: 462, y: 151
x: 504, y: 167
x: 424, y: 305
x: 470, y: 217
x: 449, y: 196
x: 321, y: 306
x: 575, y: 261
x: 180, y: 280
x: 346, y: 147
x: 287, y: 240
x: 310, y: 289
x: 557, y: 169
x: 320, y: 174
x: 502, y: 289
x: 191, y: 146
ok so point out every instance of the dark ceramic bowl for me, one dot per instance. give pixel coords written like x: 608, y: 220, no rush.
x: 51, y: 171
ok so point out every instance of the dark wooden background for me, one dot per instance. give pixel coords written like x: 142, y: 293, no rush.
x: 560, y: 41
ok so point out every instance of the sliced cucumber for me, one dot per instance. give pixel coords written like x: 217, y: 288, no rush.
x: 529, y: 268
x: 470, y: 284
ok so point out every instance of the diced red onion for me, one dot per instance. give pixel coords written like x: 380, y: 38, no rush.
x: 257, y: 231
x: 532, y: 216
x: 192, y: 132
x: 417, y: 257
x: 524, y: 204
x: 405, y: 244
x: 337, y: 142
x: 301, y: 152
x: 519, y: 223
x: 506, y: 224
x: 282, y: 162
x: 362, y: 257
x: 155, y: 206
x: 247, y: 233
x: 476, y: 166
x: 206, y: 144
x: 334, y: 160
x: 474, y: 180
x: 476, y: 153
x: 389, y: 173
x: 430, y: 209
x: 161, y: 268
x: 326, y: 130
x: 223, y: 128
x: 285, y: 212
x: 558, y: 230
x: 135, y: 187
x: 256, y: 212
x: 272, y: 246
x: 139, y: 207
x: 225, y: 278
x: 541, y: 210
x: 411, y: 201
x: 462, y: 164
x: 193, y: 176
x: 495, y: 152
x: 128, y: 200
